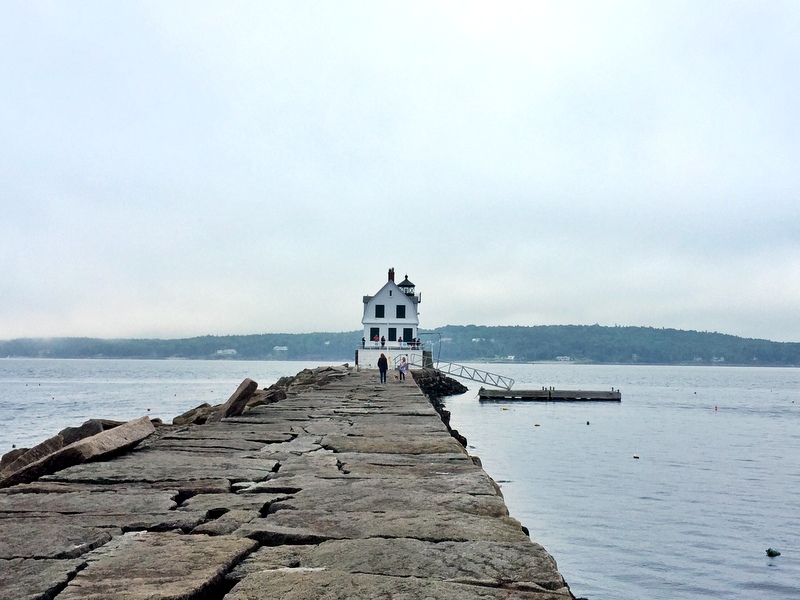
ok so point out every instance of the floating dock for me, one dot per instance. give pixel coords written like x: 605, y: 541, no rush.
x: 549, y: 395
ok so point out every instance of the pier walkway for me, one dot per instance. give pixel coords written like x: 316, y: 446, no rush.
x: 352, y: 489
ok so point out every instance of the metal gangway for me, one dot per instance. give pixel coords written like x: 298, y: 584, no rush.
x: 465, y: 372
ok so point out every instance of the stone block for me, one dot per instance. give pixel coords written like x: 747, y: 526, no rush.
x: 35, y: 579
x: 36, y: 453
x: 151, y: 566
x: 89, y: 428
x: 106, y: 443
x: 197, y: 415
x: 301, y: 584
x: 236, y: 403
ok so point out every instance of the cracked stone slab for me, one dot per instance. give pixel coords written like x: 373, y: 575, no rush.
x: 153, y: 566
x: 29, y: 579
x: 429, y: 525
x: 388, y: 443
x: 300, y: 445
x: 209, y: 445
x: 318, y: 463
x: 478, y: 562
x: 110, y: 502
x: 227, y: 523
x: 271, y: 414
x: 152, y: 465
x: 262, y: 434
x: 388, y: 495
x: 302, y: 584
x: 433, y: 480
x: 373, y: 465
x: 381, y: 419
x: 43, y: 537
x: 203, y: 503
x: 173, y: 489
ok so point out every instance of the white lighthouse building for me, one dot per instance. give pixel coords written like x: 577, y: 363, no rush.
x: 391, y: 319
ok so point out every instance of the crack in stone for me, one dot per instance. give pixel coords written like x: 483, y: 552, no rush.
x: 53, y: 592
x: 274, y: 506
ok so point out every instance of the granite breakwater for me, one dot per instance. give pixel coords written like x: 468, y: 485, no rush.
x: 326, y: 485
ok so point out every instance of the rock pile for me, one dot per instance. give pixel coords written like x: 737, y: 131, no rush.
x: 436, y: 386
x: 248, y: 396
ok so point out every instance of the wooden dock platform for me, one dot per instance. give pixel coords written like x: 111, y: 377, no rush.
x: 549, y: 395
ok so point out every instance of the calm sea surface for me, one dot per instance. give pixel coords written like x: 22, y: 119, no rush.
x: 716, y: 483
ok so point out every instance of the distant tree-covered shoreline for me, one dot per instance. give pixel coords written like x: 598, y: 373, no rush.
x: 578, y: 343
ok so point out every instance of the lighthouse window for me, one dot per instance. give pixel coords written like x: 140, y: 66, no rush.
x: 380, y: 309
x: 401, y: 311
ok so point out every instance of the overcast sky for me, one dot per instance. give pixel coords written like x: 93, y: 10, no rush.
x: 173, y: 169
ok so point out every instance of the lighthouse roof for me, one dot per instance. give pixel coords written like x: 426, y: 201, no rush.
x: 405, y: 283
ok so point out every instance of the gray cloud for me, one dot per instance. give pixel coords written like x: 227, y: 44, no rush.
x: 174, y: 169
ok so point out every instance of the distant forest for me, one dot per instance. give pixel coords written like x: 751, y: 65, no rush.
x: 458, y: 343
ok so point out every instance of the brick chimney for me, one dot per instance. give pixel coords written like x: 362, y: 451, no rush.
x: 391, y: 274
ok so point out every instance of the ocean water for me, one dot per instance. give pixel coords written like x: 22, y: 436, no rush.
x: 716, y: 483
x: 40, y: 397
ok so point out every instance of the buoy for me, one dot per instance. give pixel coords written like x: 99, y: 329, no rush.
x: 772, y: 553
x: 635, y: 456
x: 148, y: 410
x: 715, y: 408
x: 587, y: 422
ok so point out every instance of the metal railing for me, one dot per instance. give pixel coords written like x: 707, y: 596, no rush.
x: 393, y: 346
x: 465, y: 372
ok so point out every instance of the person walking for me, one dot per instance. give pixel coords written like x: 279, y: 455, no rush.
x: 403, y: 368
x: 383, y: 367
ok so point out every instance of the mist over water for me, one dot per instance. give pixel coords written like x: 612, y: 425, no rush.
x: 716, y: 482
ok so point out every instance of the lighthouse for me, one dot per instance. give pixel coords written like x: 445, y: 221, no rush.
x: 390, y: 322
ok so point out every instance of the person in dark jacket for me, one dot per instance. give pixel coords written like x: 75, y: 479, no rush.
x: 383, y: 367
